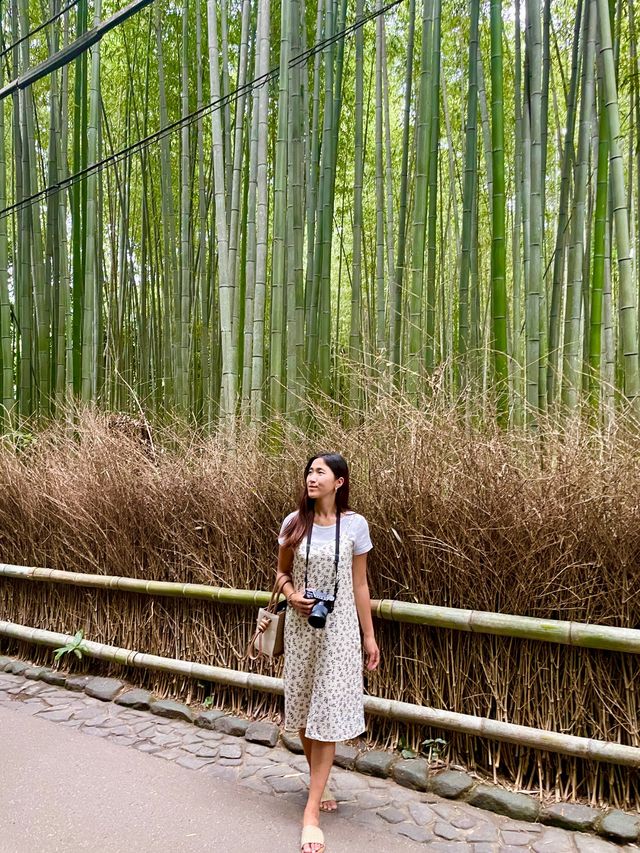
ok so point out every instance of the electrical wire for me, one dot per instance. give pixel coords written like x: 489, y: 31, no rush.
x: 194, y: 116
x: 35, y: 31
x: 73, y: 50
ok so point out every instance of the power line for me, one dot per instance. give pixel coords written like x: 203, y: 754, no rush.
x: 35, y: 31
x: 73, y: 50
x: 192, y: 117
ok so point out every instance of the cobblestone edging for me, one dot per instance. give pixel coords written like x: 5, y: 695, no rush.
x: 209, y: 741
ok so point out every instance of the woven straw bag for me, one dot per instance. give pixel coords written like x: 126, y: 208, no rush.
x: 268, y: 638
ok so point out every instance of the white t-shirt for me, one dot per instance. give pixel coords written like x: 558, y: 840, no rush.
x: 352, y: 525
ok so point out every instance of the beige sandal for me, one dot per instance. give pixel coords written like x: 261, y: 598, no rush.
x: 328, y: 797
x: 312, y: 835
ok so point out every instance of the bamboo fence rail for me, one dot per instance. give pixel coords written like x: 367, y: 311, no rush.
x: 586, y: 748
x: 171, y: 589
x: 579, y: 634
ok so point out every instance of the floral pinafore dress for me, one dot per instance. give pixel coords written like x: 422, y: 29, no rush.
x: 323, y: 685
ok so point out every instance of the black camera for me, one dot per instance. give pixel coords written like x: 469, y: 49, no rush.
x: 322, y: 607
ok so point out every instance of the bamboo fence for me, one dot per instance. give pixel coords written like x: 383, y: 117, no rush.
x: 473, y: 524
x: 579, y: 634
x: 565, y: 744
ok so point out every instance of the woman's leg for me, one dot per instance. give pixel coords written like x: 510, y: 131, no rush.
x: 322, y: 755
x: 327, y: 805
x: 306, y: 745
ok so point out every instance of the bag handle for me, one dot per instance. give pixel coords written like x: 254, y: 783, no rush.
x: 277, y: 592
x: 254, y: 646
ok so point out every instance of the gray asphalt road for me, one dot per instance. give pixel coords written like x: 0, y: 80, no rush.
x: 65, y: 792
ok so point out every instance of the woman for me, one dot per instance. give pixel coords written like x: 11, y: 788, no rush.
x: 323, y: 548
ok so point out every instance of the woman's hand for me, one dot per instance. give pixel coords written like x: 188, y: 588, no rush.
x: 371, y: 652
x: 300, y: 604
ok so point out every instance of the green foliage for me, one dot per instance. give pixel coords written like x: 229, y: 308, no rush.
x: 149, y: 210
x: 404, y: 749
x: 208, y: 700
x: 72, y: 647
x: 20, y: 440
x: 433, y: 749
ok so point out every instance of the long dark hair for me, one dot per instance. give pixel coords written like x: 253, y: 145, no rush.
x: 297, y: 528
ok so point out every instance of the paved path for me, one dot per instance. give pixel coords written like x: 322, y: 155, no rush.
x: 80, y: 774
x: 64, y: 793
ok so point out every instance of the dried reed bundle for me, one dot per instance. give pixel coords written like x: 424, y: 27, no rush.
x: 461, y: 515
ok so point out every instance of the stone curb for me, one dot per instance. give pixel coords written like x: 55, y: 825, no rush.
x: 612, y: 824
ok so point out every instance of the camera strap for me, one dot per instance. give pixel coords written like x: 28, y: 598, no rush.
x: 336, y: 555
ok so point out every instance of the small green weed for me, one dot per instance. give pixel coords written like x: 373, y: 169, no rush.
x: 432, y: 748
x: 74, y: 646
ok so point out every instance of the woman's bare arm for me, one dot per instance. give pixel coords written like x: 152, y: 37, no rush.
x: 363, y: 606
x: 295, y: 598
x: 285, y: 564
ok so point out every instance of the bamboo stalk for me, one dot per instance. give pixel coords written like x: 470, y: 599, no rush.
x: 571, y: 374
x: 396, y: 307
x: 355, y: 328
x: 24, y: 280
x: 498, y: 249
x: 627, y: 308
x: 262, y: 216
x: 432, y: 193
x: 380, y: 264
x: 247, y: 354
x: 91, y: 304
x: 6, y: 355
x: 419, y: 224
x: 296, y: 215
x: 586, y: 748
x: 597, y: 278
x: 579, y: 634
x: 534, y: 313
x: 169, y: 277
x: 563, y: 214
x: 225, y: 283
x: 279, y: 324
x: 469, y: 191
x: 182, y: 296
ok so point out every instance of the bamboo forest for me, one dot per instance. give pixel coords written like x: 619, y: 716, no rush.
x: 228, y: 209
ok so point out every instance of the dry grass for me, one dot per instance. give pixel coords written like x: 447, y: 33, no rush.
x: 461, y: 515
